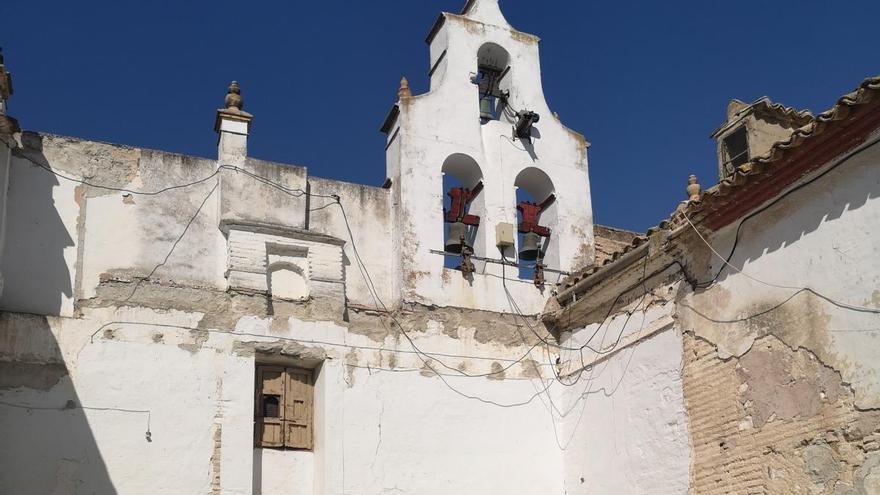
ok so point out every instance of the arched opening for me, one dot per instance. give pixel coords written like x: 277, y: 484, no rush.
x: 463, y: 208
x: 288, y: 281
x: 537, y: 222
x: 493, y: 66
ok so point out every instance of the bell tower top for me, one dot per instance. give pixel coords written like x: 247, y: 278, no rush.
x: 483, y: 173
x: 485, y: 11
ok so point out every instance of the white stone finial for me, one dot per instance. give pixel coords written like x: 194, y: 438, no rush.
x: 404, y: 91
x: 233, y: 97
x: 693, y: 189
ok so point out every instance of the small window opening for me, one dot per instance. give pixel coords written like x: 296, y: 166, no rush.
x: 271, y: 406
x: 736, y: 150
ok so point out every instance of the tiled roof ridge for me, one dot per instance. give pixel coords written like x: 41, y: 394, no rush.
x: 840, y: 110
x: 743, y: 175
x: 763, y: 164
x: 615, y: 230
x: 797, y: 117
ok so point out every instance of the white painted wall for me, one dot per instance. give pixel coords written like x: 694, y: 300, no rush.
x: 280, y: 472
x: 417, y: 436
x: 368, y: 210
x: 623, y: 424
x: 121, y: 387
x: 378, y: 431
x: 41, y: 247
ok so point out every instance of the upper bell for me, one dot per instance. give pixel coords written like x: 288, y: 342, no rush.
x: 487, y: 109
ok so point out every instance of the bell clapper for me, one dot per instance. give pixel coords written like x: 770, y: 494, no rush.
x: 467, y: 264
x: 539, y: 273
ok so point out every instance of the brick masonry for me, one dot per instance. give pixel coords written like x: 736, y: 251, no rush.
x: 776, y: 421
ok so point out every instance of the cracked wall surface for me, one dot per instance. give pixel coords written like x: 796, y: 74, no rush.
x: 127, y: 332
x: 775, y: 420
x: 194, y: 380
x: 776, y: 371
x: 781, y: 375
x: 623, y: 410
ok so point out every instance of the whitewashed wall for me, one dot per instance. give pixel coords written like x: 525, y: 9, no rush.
x: 127, y: 366
x: 107, y: 356
x: 379, y: 431
x: 623, y: 422
x: 369, y: 211
x: 822, y: 237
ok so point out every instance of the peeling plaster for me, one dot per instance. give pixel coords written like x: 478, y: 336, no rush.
x: 497, y: 372
x: 488, y: 328
x: 36, y: 376
x: 783, y: 389
x: 798, y: 428
x: 198, y: 339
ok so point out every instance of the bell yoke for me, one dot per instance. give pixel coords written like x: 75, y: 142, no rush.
x: 458, y: 217
x: 531, y: 213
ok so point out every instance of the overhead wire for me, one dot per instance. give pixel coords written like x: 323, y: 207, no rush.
x: 798, y: 290
x: 586, y: 392
x: 600, y: 351
x: 289, y: 339
x: 73, y: 406
x: 419, y: 353
x: 371, y: 285
x: 737, y: 236
x: 296, y: 192
x: 174, y: 244
x: 422, y: 354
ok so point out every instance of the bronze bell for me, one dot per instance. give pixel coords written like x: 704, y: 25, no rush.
x: 487, y: 109
x: 531, y: 247
x: 456, y: 239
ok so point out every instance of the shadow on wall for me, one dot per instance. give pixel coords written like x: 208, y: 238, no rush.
x: 46, y: 444
x: 37, y: 278
x: 847, y: 187
x: 258, y: 472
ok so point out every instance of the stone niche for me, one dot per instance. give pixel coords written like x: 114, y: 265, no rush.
x: 286, y: 264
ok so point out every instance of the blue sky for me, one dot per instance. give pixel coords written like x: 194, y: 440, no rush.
x: 646, y: 82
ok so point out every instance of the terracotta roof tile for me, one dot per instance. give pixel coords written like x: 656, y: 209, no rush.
x: 759, y: 166
x: 798, y: 118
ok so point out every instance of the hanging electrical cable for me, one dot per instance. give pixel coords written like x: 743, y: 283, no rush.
x: 426, y: 358
x: 737, y: 237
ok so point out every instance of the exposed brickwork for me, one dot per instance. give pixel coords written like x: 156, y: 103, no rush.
x: 775, y: 421
x: 215, y: 460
